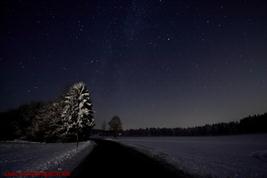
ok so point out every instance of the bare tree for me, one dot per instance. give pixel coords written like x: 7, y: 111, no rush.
x: 115, y: 125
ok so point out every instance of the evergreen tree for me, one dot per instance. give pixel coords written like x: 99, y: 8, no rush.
x: 77, y: 113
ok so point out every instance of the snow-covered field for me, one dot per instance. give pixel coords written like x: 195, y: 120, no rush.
x: 28, y: 156
x: 241, y: 156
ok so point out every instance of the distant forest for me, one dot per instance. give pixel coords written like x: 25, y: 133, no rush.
x: 247, y: 125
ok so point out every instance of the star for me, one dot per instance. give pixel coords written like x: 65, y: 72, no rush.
x: 127, y: 47
x: 21, y: 65
x: 150, y: 43
x: 196, y: 65
x: 64, y: 68
x: 219, y: 25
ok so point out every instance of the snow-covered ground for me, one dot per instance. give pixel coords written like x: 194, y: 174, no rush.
x: 29, y: 156
x: 241, y: 156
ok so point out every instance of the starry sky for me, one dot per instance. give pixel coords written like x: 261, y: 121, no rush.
x: 154, y: 63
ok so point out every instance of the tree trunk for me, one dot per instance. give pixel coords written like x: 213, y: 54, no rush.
x: 77, y: 140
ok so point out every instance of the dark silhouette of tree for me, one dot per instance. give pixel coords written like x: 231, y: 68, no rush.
x: 115, y: 125
x: 18, y: 123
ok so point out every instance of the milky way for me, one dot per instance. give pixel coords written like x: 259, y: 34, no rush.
x: 155, y: 63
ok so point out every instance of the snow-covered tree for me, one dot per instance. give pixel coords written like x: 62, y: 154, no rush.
x: 77, y: 113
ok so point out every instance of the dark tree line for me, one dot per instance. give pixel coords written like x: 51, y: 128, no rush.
x: 250, y: 124
x: 19, y: 123
x: 247, y: 125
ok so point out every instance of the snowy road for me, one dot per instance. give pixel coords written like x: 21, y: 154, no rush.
x: 223, y: 156
x: 42, y: 156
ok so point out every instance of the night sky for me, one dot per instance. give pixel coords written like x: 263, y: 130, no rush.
x: 154, y: 63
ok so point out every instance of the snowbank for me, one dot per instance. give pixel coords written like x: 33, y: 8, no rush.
x: 22, y: 156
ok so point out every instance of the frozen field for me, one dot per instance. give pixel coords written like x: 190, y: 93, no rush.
x: 19, y: 156
x: 242, y: 156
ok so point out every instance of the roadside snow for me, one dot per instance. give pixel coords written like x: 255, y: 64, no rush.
x: 24, y: 156
x: 221, y: 157
x: 261, y: 155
